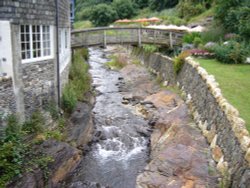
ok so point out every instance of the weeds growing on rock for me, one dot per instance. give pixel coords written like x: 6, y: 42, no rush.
x: 118, y: 62
x: 179, y: 61
x: 79, y: 82
x: 150, y: 48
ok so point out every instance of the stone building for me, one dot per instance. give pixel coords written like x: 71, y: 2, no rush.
x: 35, y: 52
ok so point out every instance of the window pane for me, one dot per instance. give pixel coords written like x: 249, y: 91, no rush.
x: 28, y: 46
x: 34, y: 37
x: 66, y: 39
x: 23, y: 46
x: 27, y: 29
x: 22, y: 38
x: 23, y: 55
x: 28, y: 56
x: 33, y: 29
x: 22, y: 28
x: 48, y: 52
x: 34, y: 54
x: 27, y: 37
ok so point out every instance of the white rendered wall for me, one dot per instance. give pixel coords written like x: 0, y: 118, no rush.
x: 5, y: 49
x: 65, y: 53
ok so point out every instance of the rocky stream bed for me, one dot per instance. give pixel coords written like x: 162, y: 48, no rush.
x: 135, y: 134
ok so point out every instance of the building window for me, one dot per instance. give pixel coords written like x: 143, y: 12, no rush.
x: 46, y: 41
x: 63, y: 40
x: 66, y: 38
x: 35, y: 42
x: 60, y: 41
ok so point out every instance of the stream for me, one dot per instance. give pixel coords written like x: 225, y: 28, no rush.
x: 119, y: 151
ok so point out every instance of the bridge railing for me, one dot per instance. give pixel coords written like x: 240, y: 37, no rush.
x: 125, y: 35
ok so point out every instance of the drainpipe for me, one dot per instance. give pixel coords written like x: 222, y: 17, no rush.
x: 58, y: 57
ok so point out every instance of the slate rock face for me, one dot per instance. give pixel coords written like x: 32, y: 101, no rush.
x: 64, y: 160
x: 79, y: 131
x: 180, y: 155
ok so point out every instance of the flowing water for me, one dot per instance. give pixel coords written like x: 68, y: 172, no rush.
x: 120, y: 152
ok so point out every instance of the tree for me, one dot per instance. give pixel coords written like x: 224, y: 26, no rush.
x: 141, y: 3
x: 234, y: 15
x: 162, y: 4
x: 102, y: 15
x: 124, y: 8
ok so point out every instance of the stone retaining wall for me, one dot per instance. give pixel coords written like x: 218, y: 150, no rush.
x: 158, y: 64
x: 7, y: 97
x: 218, y: 120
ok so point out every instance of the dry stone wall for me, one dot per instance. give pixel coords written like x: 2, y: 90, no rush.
x: 158, y: 64
x: 39, y: 85
x: 218, y: 120
x: 7, y: 97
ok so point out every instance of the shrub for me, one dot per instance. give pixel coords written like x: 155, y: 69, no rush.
x: 174, y: 20
x: 13, y: 129
x: 82, y: 25
x: 234, y: 16
x: 11, y: 160
x: 162, y: 4
x: 103, y: 14
x: 188, y: 9
x: 214, y: 33
x: 85, y: 53
x: 141, y: 3
x: 69, y: 98
x: 79, y: 81
x: 53, y: 110
x: 197, y: 41
x: 150, y: 48
x: 179, y: 61
x: 117, y: 62
x: 79, y: 76
x: 124, y: 8
x: 54, y: 134
x: 12, y: 151
x: 189, y: 37
x: 230, y: 53
x: 35, y: 124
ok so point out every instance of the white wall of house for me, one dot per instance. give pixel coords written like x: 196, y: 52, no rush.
x: 6, y: 65
x: 64, y: 48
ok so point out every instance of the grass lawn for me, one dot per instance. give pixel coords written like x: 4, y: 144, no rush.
x: 82, y: 24
x: 234, y: 81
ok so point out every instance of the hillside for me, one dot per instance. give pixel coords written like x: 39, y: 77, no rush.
x: 105, y: 12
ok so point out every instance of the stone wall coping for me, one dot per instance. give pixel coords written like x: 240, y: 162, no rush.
x: 5, y: 78
x: 238, y: 124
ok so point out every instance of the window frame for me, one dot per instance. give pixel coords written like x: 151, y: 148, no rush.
x: 42, y: 48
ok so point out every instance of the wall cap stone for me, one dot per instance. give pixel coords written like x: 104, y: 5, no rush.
x: 232, y: 114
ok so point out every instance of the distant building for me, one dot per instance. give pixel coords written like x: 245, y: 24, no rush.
x: 72, y: 11
x: 28, y: 53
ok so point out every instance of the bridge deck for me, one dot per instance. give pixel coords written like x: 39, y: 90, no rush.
x: 125, y: 35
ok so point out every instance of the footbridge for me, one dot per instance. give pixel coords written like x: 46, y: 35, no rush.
x: 104, y: 36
